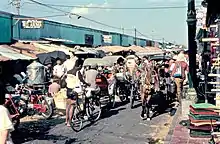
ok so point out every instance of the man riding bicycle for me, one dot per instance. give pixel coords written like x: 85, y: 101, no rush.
x: 74, y: 79
x: 90, y: 77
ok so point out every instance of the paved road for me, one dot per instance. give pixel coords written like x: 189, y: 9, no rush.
x: 120, y: 125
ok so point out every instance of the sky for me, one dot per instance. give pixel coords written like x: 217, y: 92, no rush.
x: 168, y: 24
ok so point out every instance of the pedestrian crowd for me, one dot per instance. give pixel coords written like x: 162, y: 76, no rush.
x: 71, y: 74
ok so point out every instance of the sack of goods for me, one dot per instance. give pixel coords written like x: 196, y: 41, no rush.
x: 203, y: 117
x: 60, y: 99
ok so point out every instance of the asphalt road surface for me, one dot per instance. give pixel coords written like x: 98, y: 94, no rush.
x: 121, y: 125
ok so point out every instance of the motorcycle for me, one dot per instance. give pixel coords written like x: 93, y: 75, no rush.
x: 37, y: 102
x: 29, y: 102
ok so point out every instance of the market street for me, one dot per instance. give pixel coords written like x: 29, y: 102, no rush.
x: 120, y: 125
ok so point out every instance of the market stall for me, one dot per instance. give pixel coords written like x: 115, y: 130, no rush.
x: 113, y: 59
x: 95, y: 61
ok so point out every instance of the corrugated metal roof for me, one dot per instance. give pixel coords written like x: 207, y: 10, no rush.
x: 26, y: 49
x: 6, y: 52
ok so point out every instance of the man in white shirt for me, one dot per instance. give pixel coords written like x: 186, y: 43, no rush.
x: 70, y: 63
x: 6, y: 125
x: 58, y: 70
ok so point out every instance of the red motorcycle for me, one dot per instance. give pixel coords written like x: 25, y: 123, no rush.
x: 37, y: 102
x: 28, y: 102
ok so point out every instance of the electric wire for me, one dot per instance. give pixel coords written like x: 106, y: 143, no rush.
x: 66, y: 13
x: 78, y: 16
x: 118, y: 8
x: 147, y: 37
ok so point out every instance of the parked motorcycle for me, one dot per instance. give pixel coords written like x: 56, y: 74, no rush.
x: 37, y: 102
x: 26, y: 101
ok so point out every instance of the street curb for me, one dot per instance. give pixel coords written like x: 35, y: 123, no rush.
x: 172, y: 126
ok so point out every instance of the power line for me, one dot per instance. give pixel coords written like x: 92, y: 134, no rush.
x: 42, y: 11
x: 49, y: 16
x: 78, y: 16
x: 118, y: 8
x: 17, y: 4
x: 147, y: 37
x: 144, y: 34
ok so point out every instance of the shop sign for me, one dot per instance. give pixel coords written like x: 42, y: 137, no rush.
x: 32, y: 24
x: 107, y: 38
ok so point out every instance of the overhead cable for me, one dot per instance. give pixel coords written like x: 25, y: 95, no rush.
x: 118, y: 8
x: 78, y: 16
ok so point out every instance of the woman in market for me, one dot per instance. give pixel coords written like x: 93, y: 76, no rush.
x: 74, y: 78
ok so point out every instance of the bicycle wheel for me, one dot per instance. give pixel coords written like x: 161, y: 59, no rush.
x: 93, y: 109
x: 49, y: 109
x: 77, y: 120
x: 112, y: 101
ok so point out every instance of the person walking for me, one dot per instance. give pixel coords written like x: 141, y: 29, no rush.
x: 179, y: 75
x: 6, y: 126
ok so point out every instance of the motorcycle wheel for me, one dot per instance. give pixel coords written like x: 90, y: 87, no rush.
x: 121, y: 95
x: 16, y: 123
x: 49, y: 109
x: 93, y: 109
x: 23, y: 105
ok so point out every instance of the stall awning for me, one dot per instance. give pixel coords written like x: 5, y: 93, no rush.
x: 213, y: 11
x: 6, y: 52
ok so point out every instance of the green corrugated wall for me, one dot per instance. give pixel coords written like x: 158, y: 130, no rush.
x: 5, y: 29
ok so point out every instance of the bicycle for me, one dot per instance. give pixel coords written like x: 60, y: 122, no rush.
x: 86, y: 104
x: 16, y: 107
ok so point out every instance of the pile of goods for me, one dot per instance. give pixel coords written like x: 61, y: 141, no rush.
x: 203, y: 117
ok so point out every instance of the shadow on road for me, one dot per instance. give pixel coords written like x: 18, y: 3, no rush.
x: 108, y: 113
x: 137, y: 105
x: 37, y: 130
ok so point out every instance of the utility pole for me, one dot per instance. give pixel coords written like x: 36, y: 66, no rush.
x: 163, y: 44
x: 135, y: 36
x: 191, y: 21
x: 17, y: 4
x: 123, y: 30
